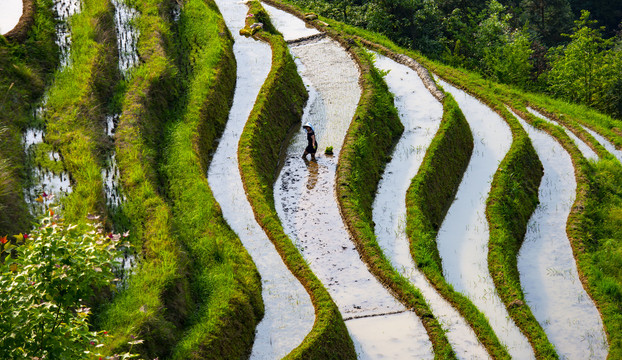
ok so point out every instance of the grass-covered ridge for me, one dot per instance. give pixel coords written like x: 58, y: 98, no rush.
x: 370, y: 139
x: 155, y: 304
x: 272, y: 118
x: 25, y: 66
x: 76, y: 106
x: 225, y: 282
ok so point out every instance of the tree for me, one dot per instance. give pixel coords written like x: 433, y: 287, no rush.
x: 579, y: 71
x: 548, y: 19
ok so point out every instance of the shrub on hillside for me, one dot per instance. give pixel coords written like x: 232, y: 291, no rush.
x: 47, y: 278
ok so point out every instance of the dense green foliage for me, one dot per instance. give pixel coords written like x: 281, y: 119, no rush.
x: 225, y: 282
x: 272, y: 118
x: 46, y: 280
x: 24, y: 69
x: 510, y: 41
x: 156, y: 300
x: 76, y: 105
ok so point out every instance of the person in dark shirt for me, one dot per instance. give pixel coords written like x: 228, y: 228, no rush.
x: 311, y: 142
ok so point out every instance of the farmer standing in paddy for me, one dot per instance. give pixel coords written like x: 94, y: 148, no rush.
x: 312, y: 143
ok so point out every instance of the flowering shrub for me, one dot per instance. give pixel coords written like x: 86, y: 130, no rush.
x: 46, y: 279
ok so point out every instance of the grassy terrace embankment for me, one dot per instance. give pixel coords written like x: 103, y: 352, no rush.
x: 25, y: 67
x: 512, y: 200
x: 355, y: 210
x: 368, y: 144
x: 76, y: 107
x: 594, y: 223
x: 156, y: 300
x: 225, y: 282
x: 278, y: 108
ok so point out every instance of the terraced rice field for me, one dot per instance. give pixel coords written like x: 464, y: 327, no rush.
x: 273, y: 262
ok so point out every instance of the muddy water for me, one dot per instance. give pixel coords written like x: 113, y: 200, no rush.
x: 10, y: 14
x: 463, y: 236
x: 289, y: 314
x: 421, y: 115
x: 547, y: 268
x: 306, y: 203
x: 605, y: 143
x: 587, y: 151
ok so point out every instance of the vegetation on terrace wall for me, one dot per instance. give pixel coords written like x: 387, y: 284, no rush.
x: 225, y: 282
x: 367, y: 147
x: 75, y: 111
x: 428, y: 199
x: 25, y: 67
x: 510, y: 41
x: 154, y: 304
x: 272, y: 118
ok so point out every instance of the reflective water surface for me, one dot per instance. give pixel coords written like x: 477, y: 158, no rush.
x: 463, y: 236
x: 548, y: 272
x: 421, y: 115
x: 305, y: 199
x: 289, y: 313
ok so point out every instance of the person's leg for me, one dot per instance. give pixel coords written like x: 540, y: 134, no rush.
x: 304, y: 155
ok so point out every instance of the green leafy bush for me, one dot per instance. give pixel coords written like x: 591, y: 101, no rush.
x: 47, y: 278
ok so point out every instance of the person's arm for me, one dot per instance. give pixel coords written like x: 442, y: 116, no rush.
x: 314, y: 142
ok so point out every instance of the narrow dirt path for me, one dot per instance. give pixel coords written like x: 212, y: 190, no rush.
x: 605, y: 143
x: 421, y: 114
x: 587, y: 151
x: 463, y: 236
x: 548, y: 272
x: 305, y: 200
x: 289, y: 314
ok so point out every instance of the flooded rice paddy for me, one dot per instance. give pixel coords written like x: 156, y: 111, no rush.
x: 463, y: 236
x: 420, y: 113
x: 289, y: 314
x: 605, y: 143
x: 548, y: 272
x: 10, y: 14
x: 306, y: 203
x: 587, y: 151
x: 43, y: 180
x: 127, y: 39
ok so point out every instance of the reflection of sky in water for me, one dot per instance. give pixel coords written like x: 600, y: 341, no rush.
x: 546, y: 264
x: 289, y: 314
x: 10, y: 14
x: 421, y: 114
x: 605, y: 143
x: 463, y: 236
x: 305, y: 200
x: 587, y: 151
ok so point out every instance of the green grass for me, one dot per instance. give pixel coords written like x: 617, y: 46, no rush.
x: 76, y: 107
x: 156, y: 302
x: 25, y: 67
x: 272, y: 118
x: 225, y: 282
